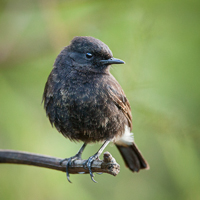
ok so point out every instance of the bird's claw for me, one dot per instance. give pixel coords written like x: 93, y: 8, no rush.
x: 88, y: 164
x: 69, y: 163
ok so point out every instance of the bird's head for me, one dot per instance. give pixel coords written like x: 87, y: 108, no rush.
x: 87, y: 54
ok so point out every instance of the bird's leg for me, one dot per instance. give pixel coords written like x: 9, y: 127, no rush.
x: 73, y: 158
x: 90, y: 160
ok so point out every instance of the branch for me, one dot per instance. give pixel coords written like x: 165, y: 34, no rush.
x: 107, y: 165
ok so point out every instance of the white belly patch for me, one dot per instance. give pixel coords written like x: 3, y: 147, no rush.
x: 126, y: 139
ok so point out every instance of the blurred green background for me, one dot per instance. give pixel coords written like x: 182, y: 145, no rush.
x: 160, y: 42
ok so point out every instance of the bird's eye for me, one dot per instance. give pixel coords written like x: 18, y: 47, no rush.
x: 89, y: 55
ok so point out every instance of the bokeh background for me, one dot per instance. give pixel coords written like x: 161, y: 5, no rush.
x: 160, y: 42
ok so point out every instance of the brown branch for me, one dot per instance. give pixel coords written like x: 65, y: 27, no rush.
x: 107, y: 165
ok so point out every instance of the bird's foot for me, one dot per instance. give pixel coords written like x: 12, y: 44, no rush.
x: 88, y: 164
x: 69, y: 163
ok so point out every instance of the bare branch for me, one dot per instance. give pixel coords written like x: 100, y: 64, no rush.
x: 107, y: 165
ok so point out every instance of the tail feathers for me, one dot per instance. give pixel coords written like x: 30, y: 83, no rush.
x: 132, y: 157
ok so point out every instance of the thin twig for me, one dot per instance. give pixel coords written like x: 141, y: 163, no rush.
x: 107, y: 165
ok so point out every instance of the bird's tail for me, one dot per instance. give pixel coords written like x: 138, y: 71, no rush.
x: 132, y: 157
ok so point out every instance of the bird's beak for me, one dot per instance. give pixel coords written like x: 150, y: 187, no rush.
x: 112, y: 61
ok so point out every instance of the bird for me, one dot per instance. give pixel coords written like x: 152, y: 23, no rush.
x: 84, y: 102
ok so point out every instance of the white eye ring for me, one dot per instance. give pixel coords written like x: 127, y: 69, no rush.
x: 89, y: 55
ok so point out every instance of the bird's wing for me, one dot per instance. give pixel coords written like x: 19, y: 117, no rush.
x: 48, y: 100
x: 121, y: 102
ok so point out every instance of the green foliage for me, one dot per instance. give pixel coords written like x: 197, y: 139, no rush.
x: 159, y: 40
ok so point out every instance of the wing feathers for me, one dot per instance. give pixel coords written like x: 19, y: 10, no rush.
x: 122, y: 102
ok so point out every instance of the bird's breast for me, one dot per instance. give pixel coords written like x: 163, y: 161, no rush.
x: 84, y: 110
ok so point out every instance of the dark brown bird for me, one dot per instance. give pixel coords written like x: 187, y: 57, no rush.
x: 86, y: 103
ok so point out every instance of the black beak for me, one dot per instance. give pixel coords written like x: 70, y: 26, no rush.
x: 112, y: 61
